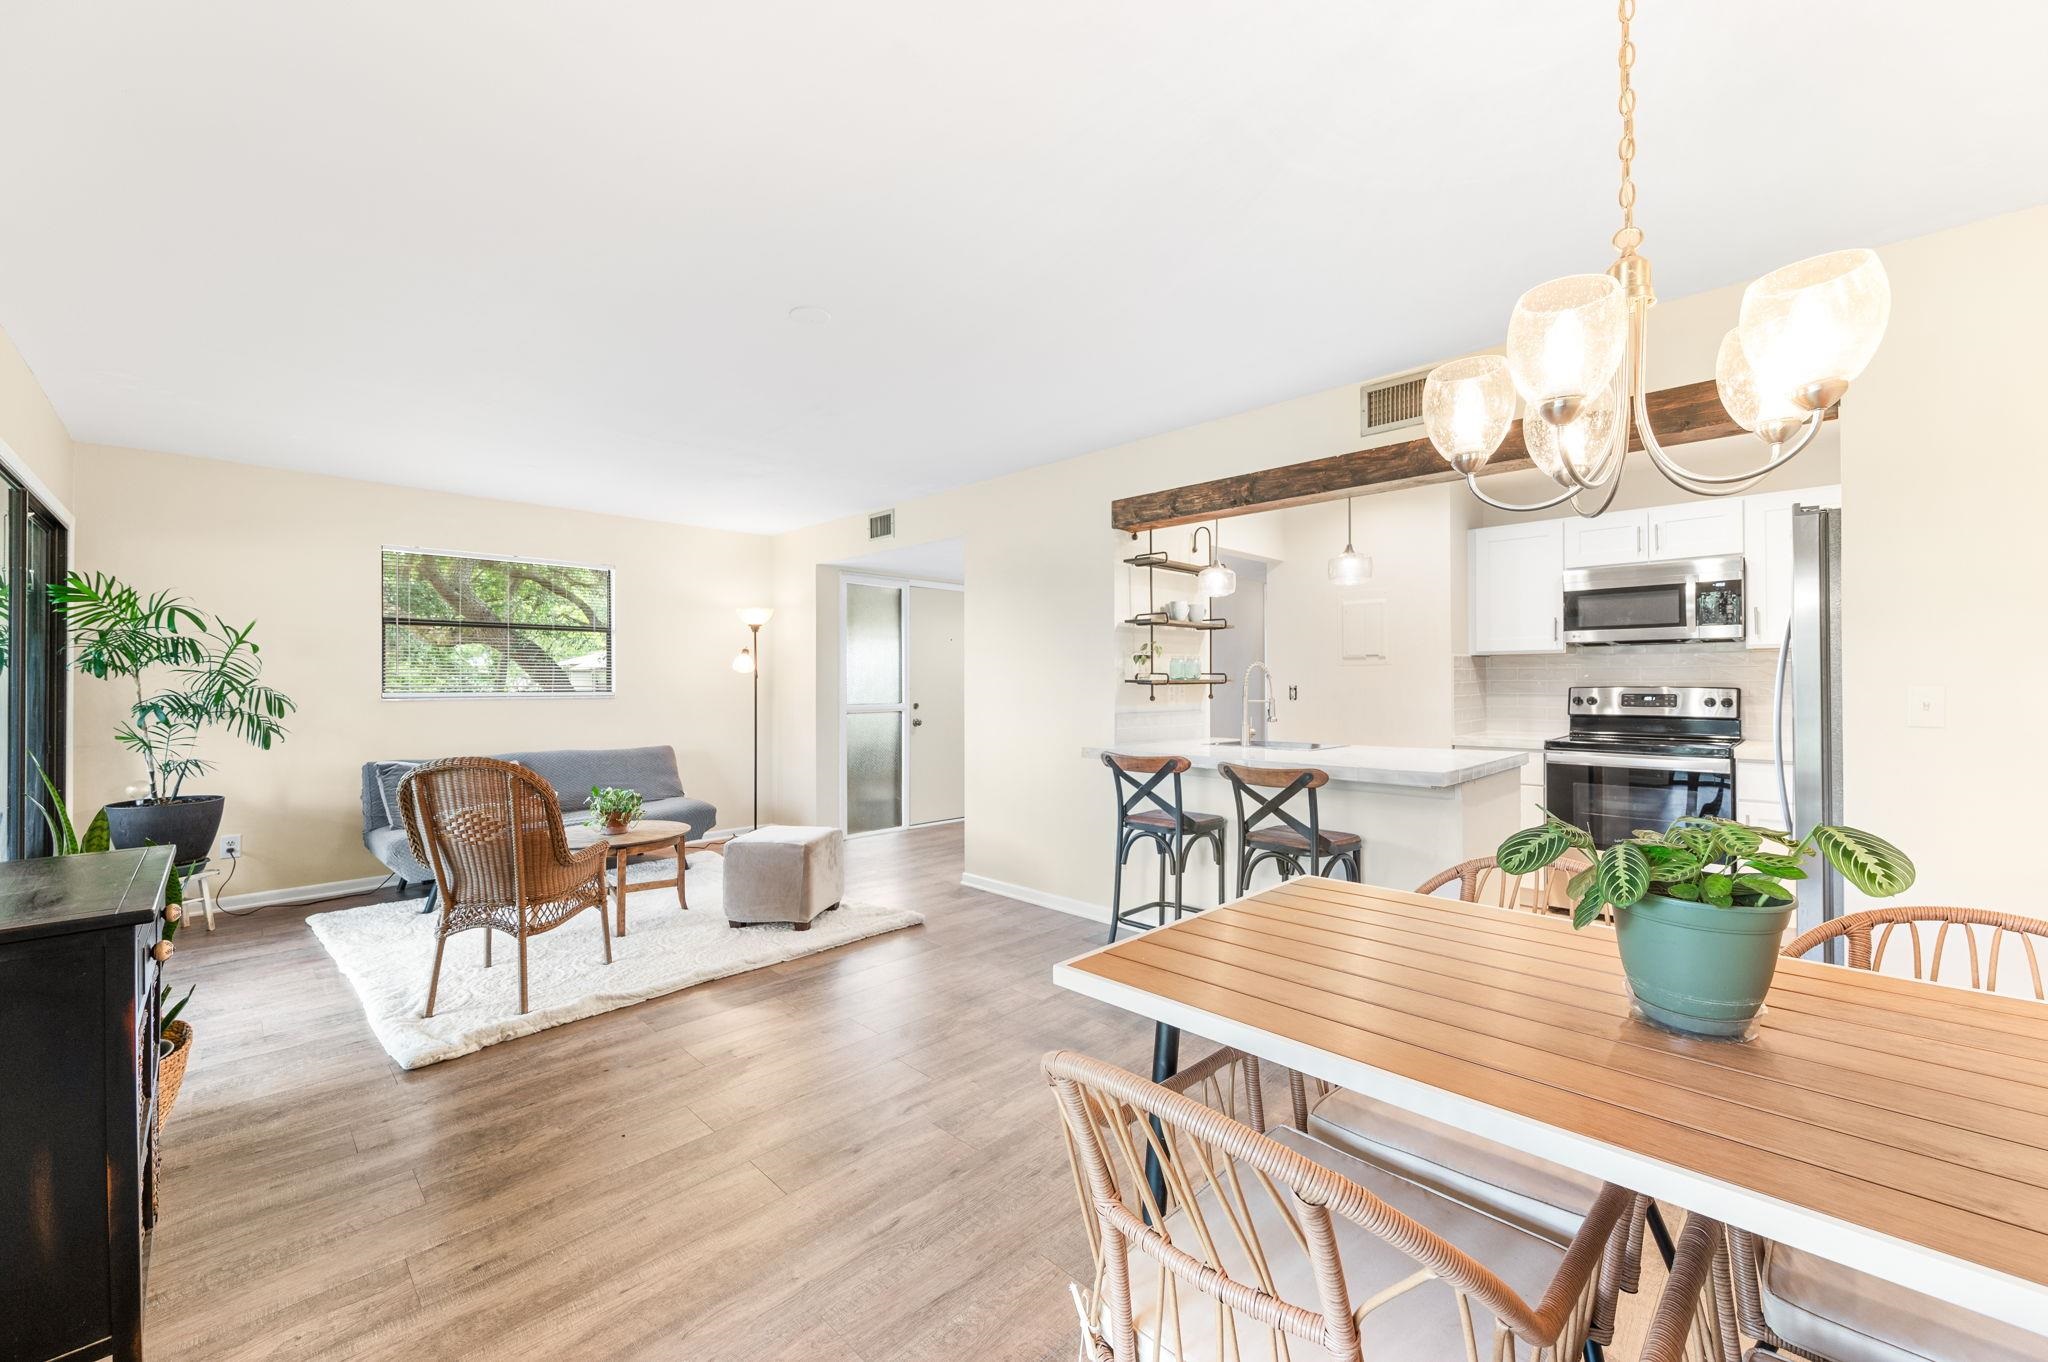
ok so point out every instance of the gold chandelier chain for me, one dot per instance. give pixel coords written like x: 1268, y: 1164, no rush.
x: 1629, y: 236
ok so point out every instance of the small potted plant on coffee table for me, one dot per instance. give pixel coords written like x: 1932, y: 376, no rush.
x: 614, y: 808
x: 1700, y: 909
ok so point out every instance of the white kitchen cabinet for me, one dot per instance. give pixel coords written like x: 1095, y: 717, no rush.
x: 1617, y: 537
x: 1516, y: 600
x: 1767, y: 558
x: 1696, y: 529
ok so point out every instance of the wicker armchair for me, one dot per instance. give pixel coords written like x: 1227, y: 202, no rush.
x: 1480, y: 881
x: 1757, y: 1262
x: 1260, y: 1240
x: 1695, y: 1317
x: 492, y: 833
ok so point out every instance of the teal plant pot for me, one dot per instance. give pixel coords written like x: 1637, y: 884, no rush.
x: 1697, y: 968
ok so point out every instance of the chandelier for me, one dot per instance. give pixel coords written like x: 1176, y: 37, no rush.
x: 1577, y: 356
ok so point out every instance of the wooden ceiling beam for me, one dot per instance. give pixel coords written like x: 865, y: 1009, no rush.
x: 1680, y: 416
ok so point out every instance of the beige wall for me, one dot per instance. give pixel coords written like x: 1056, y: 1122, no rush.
x: 1939, y: 454
x: 34, y: 438
x: 298, y: 553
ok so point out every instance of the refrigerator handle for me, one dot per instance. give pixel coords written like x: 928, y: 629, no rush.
x: 1778, y: 724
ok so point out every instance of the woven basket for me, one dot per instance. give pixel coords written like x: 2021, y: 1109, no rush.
x: 170, y: 1071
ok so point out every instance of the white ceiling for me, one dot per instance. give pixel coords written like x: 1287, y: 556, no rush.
x: 547, y: 251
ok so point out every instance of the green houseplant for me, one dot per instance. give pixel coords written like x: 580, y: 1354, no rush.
x: 191, y: 672
x: 1700, y: 908
x: 615, y: 808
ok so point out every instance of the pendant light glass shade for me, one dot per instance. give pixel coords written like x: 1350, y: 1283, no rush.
x: 1215, y: 580
x: 1565, y: 337
x: 1752, y: 408
x: 1816, y: 322
x: 1467, y: 407
x: 1350, y: 567
x: 1575, y: 453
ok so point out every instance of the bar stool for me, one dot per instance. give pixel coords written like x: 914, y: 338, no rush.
x: 1286, y: 844
x: 1173, y: 830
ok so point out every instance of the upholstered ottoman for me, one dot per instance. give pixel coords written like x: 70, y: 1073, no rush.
x: 783, y: 875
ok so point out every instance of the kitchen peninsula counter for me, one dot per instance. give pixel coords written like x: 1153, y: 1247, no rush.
x: 1419, y: 809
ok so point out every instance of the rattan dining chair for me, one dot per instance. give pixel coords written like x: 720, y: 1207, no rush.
x: 492, y: 833
x: 1695, y: 1317
x: 1480, y: 880
x: 1796, y: 1304
x: 1280, y: 1246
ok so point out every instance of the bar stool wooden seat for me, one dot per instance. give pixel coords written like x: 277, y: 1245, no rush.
x: 1144, y: 814
x: 1285, y: 840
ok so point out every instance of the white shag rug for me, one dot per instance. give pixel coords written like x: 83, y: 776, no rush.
x: 386, y: 951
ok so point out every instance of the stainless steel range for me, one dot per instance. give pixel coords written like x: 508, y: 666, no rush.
x: 1641, y: 756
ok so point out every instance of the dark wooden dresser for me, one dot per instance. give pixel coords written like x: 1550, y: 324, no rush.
x: 77, y: 1100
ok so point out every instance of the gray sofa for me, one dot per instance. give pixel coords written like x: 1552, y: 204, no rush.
x: 572, y: 771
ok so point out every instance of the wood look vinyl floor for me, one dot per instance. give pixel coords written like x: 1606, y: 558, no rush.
x: 845, y: 1158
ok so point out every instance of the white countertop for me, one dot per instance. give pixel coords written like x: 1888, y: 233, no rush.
x: 1433, y: 768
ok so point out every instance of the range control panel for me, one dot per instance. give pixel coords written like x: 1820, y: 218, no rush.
x: 1671, y: 702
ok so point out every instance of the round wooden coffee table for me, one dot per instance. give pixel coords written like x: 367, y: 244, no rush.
x: 648, y: 837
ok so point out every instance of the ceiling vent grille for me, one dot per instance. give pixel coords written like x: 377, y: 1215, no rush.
x: 1395, y: 402
x: 882, y: 525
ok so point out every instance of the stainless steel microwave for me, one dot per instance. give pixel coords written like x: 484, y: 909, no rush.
x: 1691, y: 600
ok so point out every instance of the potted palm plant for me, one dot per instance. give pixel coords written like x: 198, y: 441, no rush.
x: 1700, y: 909
x: 191, y: 672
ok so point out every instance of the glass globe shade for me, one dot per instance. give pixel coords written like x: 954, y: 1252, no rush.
x: 1815, y: 322
x: 1746, y: 402
x: 1467, y: 407
x: 1350, y: 567
x: 744, y: 663
x: 1570, y: 454
x: 1215, y: 580
x: 754, y: 616
x: 1565, y: 338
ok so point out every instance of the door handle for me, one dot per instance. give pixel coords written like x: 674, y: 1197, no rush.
x: 1756, y: 618
x: 917, y: 723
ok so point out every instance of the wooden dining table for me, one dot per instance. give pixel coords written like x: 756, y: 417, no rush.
x: 1896, y: 1127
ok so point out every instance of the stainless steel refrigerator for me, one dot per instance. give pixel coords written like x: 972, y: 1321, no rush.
x: 1807, y: 713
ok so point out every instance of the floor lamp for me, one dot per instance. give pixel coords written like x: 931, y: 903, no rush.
x: 749, y: 662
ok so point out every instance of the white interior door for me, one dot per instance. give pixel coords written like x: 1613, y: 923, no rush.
x: 938, y: 729
x: 876, y: 719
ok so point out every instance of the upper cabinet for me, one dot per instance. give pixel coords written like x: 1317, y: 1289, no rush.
x: 1617, y: 537
x: 1517, y: 583
x: 1767, y: 557
x: 1697, y: 529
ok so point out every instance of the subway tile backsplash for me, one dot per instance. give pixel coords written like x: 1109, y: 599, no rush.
x: 1525, y: 692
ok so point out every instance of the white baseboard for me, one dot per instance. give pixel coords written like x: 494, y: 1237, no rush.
x: 1060, y: 903
x: 303, y: 893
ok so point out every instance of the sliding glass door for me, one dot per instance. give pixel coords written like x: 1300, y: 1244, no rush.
x: 33, y: 554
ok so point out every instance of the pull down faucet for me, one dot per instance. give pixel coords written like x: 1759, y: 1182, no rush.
x: 1270, y: 714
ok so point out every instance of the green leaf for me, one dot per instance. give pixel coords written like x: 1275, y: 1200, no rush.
x: 1578, y: 884
x: 1587, y: 910
x: 99, y: 836
x: 1689, y: 892
x: 1873, y: 865
x: 1718, y: 890
x: 1698, y: 841
x: 1783, y: 867
x: 1577, y: 837
x: 1531, y: 849
x: 1764, y: 888
x: 1734, y: 840
x: 1623, y: 874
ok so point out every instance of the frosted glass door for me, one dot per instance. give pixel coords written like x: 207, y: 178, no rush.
x: 875, y: 708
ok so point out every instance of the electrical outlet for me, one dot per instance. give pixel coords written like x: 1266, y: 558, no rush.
x: 231, y: 846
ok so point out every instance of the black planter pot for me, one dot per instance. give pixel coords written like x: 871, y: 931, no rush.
x: 189, y: 823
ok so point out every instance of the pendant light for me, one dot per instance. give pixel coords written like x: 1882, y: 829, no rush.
x: 1577, y: 355
x: 1350, y: 567
x: 1217, y: 579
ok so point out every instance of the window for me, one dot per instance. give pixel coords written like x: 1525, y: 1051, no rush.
x: 461, y: 625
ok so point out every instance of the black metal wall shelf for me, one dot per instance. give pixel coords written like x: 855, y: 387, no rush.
x: 1152, y: 619
x: 1159, y: 562
x: 1161, y: 679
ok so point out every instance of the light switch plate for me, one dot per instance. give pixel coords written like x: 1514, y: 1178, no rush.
x: 1927, y: 707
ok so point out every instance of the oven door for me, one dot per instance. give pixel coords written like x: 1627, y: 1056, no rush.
x: 1611, y: 794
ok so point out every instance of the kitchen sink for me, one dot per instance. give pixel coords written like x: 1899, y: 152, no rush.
x: 1275, y: 745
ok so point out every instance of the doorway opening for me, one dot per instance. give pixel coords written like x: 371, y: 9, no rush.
x: 903, y: 732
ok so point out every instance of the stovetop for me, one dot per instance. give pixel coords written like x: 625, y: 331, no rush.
x: 1678, y: 720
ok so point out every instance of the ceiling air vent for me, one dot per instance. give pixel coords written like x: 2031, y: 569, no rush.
x: 1393, y: 402
x: 882, y: 525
